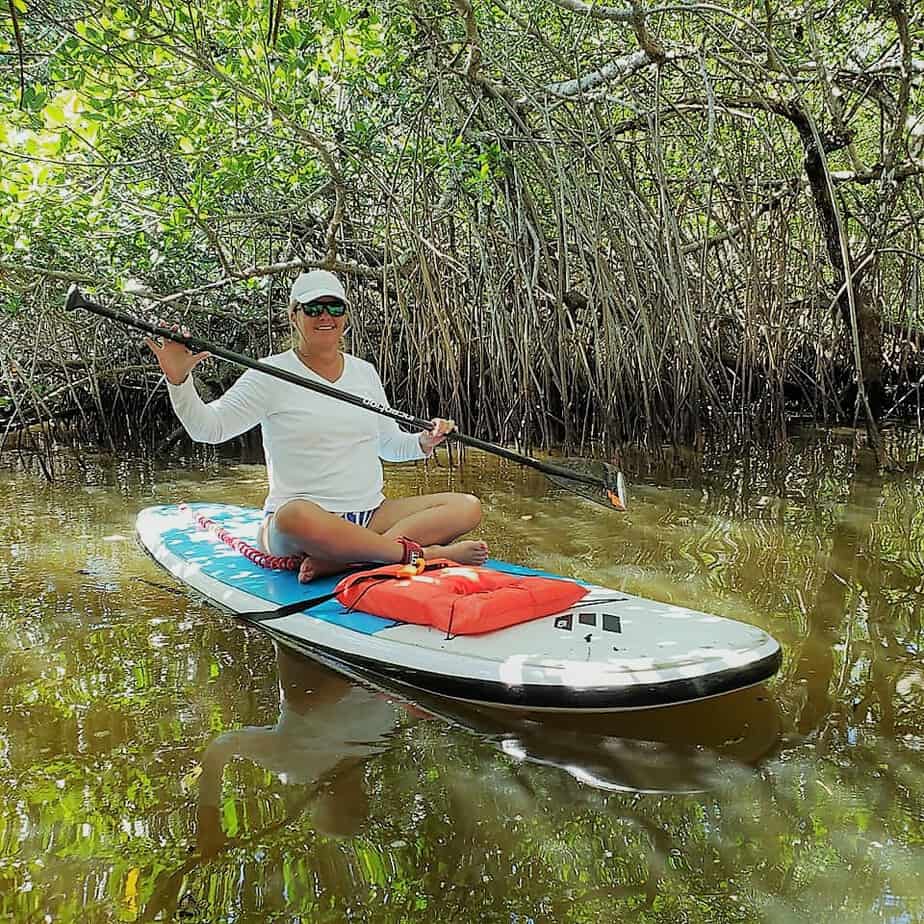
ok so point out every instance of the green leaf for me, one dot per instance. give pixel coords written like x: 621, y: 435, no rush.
x: 229, y: 817
x: 54, y: 115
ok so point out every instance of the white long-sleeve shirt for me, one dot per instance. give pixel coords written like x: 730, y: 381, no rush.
x: 316, y: 447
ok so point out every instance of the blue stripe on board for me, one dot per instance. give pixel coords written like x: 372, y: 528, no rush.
x: 277, y: 588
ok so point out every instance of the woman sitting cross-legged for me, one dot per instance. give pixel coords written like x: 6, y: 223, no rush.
x: 323, y: 455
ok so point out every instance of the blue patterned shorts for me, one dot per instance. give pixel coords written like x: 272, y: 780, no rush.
x: 360, y: 517
x: 279, y: 543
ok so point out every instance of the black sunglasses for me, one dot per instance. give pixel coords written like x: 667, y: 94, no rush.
x: 335, y: 309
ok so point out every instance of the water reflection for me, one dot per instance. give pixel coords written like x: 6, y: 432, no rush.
x: 326, y: 730
x: 801, y: 803
x: 331, y: 734
x: 327, y: 727
x: 677, y: 749
x: 681, y: 749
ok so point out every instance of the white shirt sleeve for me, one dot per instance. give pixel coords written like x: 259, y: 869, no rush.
x: 238, y: 410
x: 394, y: 444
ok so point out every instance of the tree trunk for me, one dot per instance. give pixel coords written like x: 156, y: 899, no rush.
x: 868, y: 318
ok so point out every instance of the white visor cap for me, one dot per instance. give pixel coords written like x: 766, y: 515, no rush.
x: 317, y: 284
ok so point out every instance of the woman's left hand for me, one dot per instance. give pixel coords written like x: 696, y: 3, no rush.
x: 430, y: 439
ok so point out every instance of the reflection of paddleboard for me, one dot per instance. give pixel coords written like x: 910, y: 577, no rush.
x: 683, y: 749
x: 678, y: 751
x: 612, y: 651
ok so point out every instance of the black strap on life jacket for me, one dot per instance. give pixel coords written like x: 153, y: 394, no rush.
x: 299, y: 606
x: 288, y: 610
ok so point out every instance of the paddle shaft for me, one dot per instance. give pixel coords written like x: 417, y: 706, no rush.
x: 75, y: 299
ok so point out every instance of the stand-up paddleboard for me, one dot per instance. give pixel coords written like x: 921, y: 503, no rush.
x: 612, y: 651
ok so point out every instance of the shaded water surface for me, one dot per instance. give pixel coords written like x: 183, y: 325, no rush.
x: 160, y: 762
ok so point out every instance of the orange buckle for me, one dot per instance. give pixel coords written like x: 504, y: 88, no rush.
x: 413, y: 568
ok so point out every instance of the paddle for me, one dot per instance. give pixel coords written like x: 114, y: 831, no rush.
x: 608, y: 489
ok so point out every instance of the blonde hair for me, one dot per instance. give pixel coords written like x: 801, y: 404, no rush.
x: 295, y: 335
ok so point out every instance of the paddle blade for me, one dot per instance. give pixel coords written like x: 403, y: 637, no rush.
x: 599, y: 482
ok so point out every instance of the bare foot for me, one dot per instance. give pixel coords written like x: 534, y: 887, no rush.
x: 312, y: 568
x: 466, y: 552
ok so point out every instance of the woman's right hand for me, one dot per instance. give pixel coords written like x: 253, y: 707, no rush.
x: 176, y: 361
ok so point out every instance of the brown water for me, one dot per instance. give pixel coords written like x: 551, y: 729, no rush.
x: 160, y: 762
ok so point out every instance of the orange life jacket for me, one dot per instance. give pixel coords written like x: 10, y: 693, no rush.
x: 459, y: 599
